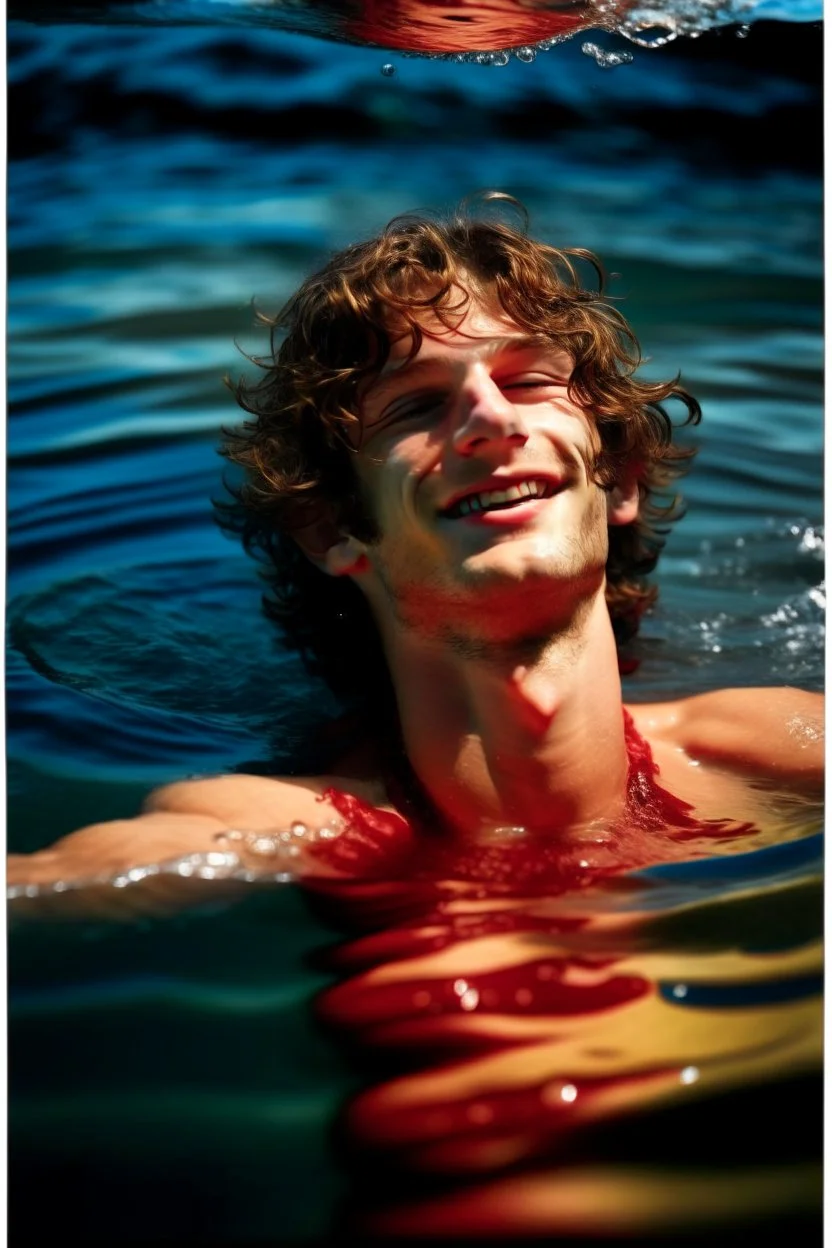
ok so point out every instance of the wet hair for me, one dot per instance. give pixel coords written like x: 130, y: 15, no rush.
x: 334, y: 336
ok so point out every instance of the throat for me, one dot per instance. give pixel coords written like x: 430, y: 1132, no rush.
x: 527, y: 733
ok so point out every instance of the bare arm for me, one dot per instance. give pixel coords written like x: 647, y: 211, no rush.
x: 130, y: 867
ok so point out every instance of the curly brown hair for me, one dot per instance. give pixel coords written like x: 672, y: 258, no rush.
x: 335, y: 334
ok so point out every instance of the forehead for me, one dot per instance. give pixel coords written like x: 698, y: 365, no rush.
x: 484, y: 332
x: 480, y: 323
x: 482, y: 328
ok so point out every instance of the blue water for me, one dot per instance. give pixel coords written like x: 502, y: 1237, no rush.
x: 160, y: 178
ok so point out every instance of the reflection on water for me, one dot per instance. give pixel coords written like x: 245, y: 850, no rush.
x: 486, y: 32
x: 639, y: 1054
x: 553, y: 1066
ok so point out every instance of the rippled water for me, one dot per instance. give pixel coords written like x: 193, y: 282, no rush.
x: 160, y: 177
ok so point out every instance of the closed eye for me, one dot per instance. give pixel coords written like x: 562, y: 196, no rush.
x: 417, y: 405
x: 533, y: 383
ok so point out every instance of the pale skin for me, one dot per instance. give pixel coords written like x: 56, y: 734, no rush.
x: 495, y: 630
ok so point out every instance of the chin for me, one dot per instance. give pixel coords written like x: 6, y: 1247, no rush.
x: 539, y: 563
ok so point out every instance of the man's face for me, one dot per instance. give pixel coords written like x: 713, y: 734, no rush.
x: 476, y: 468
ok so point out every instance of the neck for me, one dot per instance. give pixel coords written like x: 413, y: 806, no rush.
x: 526, y: 733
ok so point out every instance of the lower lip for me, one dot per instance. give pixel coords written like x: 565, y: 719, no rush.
x: 505, y: 517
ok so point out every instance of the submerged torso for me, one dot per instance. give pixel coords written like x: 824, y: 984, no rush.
x: 514, y: 995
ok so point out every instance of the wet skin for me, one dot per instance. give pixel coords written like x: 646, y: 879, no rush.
x: 486, y: 580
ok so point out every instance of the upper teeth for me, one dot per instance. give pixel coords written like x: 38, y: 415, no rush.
x: 489, y: 498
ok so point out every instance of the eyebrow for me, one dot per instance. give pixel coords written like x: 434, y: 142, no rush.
x: 385, y: 382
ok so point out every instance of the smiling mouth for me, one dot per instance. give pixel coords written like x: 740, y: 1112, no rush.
x: 500, y: 500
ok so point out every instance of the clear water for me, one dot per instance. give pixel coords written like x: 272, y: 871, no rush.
x: 162, y: 173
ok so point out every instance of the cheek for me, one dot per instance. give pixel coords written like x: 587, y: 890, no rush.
x: 405, y: 468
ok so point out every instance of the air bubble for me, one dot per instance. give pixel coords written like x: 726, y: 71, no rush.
x: 526, y: 54
x: 649, y: 36
x: 606, y: 60
x: 388, y: 70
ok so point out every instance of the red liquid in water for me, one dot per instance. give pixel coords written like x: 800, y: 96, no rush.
x: 467, y: 979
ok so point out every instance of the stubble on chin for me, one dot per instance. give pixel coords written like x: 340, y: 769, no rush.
x: 492, y: 601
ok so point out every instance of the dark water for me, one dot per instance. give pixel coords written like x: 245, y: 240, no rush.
x: 167, y: 1080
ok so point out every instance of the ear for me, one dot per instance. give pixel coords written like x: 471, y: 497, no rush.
x: 329, y: 547
x: 623, y: 500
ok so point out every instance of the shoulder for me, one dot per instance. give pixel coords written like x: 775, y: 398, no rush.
x: 257, y: 803
x: 766, y: 732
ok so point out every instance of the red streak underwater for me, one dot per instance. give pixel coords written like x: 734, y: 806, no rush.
x: 463, y: 25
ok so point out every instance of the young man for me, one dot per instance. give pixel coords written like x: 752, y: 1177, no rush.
x: 456, y: 480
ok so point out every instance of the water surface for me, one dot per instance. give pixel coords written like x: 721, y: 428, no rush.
x: 163, y: 175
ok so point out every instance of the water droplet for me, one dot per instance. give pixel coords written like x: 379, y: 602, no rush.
x: 500, y: 58
x: 690, y: 1074
x: 470, y: 999
x: 264, y: 846
x: 568, y: 1093
x: 388, y: 70
x: 526, y: 54
x: 680, y: 990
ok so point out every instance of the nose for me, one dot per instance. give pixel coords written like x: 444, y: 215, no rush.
x: 486, y: 420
